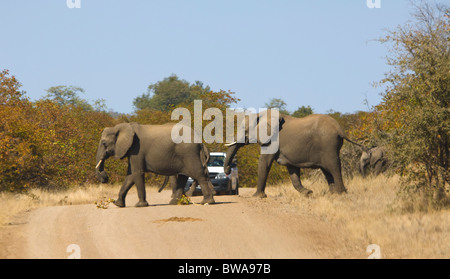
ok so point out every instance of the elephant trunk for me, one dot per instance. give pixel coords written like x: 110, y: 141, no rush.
x: 100, y: 167
x: 231, y: 152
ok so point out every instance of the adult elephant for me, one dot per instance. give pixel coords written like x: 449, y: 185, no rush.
x: 310, y: 142
x: 150, y: 148
x: 374, y: 158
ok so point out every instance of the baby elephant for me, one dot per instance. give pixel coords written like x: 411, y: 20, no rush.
x: 375, y: 158
x: 150, y: 148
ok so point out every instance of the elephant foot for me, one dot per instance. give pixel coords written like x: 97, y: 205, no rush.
x: 119, y: 203
x: 338, y: 190
x: 142, y: 204
x: 341, y: 191
x: 173, y: 201
x: 208, y: 201
x: 305, y: 192
x: 259, y: 194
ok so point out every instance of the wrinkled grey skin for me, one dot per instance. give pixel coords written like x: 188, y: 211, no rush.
x: 375, y: 159
x: 310, y: 142
x: 149, y: 148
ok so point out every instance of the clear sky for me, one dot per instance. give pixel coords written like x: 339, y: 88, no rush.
x: 320, y: 53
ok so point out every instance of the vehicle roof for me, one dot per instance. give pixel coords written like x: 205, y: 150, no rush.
x: 218, y: 153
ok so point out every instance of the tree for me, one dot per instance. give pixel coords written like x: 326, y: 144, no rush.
x: 279, y: 104
x: 303, y: 111
x: 9, y: 89
x: 170, y: 92
x: 415, y: 110
x: 67, y: 95
x: 70, y: 96
x: 50, y: 142
x: 17, y: 141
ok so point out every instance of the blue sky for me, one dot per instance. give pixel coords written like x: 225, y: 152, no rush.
x: 319, y: 53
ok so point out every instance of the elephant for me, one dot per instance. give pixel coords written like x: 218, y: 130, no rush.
x: 309, y: 142
x: 150, y: 148
x: 375, y: 158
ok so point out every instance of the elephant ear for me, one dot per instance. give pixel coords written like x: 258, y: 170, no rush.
x: 125, y: 135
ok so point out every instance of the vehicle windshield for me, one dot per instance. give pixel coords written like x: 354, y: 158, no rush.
x: 216, y: 161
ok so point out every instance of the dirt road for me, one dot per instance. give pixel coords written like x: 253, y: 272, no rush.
x: 235, y: 227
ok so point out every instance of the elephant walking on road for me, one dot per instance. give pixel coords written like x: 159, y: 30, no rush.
x: 150, y: 148
x: 310, y: 142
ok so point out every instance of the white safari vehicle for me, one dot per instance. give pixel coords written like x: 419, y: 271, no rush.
x: 223, y: 184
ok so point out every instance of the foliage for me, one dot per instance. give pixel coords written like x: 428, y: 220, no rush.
x: 279, y: 104
x: 9, y: 86
x: 184, y: 200
x: 104, y: 203
x: 302, y: 111
x: 150, y: 116
x: 67, y: 95
x: 18, y: 151
x: 168, y: 93
x: 414, y: 113
x: 46, y: 143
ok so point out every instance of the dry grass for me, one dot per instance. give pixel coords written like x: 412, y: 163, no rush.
x: 13, y: 204
x: 366, y: 215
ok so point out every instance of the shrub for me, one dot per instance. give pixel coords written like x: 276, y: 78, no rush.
x: 415, y: 110
x: 46, y: 143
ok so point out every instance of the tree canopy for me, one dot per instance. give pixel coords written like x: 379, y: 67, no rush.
x: 170, y: 92
x: 303, y: 111
x: 279, y: 104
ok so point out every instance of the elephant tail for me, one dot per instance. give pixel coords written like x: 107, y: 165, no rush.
x: 355, y: 143
x: 166, y: 179
x: 204, y: 157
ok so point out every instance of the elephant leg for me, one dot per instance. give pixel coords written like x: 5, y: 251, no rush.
x: 329, y: 178
x: 173, y: 184
x: 127, y: 184
x: 139, y: 180
x: 378, y: 168
x: 192, y: 189
x: 334, y: 177
x: 178, y: 189
x: 294, y: 173
x: 363, y: 170
x: 207, y: 190
x: 264, y: 164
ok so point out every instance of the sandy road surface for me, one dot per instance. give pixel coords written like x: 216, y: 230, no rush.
x: 236, y: 227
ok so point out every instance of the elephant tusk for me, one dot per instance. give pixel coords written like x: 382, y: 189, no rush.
x: 98, y: 165
x: 230, y: 144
